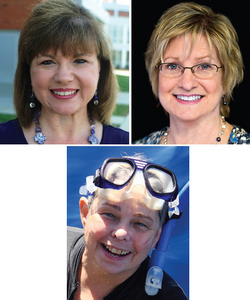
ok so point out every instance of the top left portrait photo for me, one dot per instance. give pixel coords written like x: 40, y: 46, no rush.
x: 65, y: 74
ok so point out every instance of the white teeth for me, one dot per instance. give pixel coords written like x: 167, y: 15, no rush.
x: 116, y: 251
x: 189, y: 98
x: 64, y: 93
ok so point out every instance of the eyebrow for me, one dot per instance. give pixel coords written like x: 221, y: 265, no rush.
x: 144, y: 216
x: 75, y: 56
x: 197, y: 58
x: 171, y: 57
x: 81, y: 54
x: 116, y: 207
x: 46, y: 55
x: 206, y: 56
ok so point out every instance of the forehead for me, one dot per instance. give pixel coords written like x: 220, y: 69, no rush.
x: 68, y: 45
x: 184, y: 47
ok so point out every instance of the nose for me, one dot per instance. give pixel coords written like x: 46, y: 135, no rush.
x: 121, y: 233
x: 187, y: 80
x: 63, y: 74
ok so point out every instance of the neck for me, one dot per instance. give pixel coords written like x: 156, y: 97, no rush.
x: 94, y: 283
x: 201, y: 131
x: 68, y: 129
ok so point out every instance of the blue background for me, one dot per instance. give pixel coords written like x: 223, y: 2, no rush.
x: 83, y: 161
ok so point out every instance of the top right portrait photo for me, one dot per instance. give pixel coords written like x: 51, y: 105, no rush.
x: 190, y: 73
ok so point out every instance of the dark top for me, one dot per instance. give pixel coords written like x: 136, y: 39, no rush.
x: 132, y: 288
x: 12, y: 133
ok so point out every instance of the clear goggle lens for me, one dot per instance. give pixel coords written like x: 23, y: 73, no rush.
x: 119, y: 173
x: 160, y: 182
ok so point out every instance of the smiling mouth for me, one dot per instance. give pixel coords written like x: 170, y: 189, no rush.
x: 189, y: 98
x: 115, y: 252
x: 66, y: 93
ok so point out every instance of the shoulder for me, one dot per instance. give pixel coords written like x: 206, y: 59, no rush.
x: 152, y: 138
x: 171, y: 290
x: 11, y: 133
x: 239, y: 136
x: 134, y: 287
x: 73, y: 236
x: 75, y: 248
x: 113, y: 135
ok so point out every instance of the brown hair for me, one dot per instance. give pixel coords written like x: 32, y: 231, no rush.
x: 61, y: 24
x: 195, y: 19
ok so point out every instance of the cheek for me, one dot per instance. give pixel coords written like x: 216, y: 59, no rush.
x: 214, y: 87
x: 95, y: 228
x: 165, y: 87
x: 39, y: 80
x: 143, y: 244
x: 90, y: 76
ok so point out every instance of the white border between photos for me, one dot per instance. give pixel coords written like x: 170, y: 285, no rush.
x: 33, y: 222
x: 219, y: 222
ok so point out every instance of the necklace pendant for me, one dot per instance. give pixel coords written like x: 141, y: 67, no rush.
x: 93, y: 139
x: 40, y: 138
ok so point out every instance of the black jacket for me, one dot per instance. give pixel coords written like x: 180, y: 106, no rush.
x: 132, y: 288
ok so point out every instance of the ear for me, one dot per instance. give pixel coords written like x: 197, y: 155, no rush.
x: 157, y: 237
x: 84, y: 209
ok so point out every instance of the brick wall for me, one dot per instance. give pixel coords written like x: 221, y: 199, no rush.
x: 13, y: 13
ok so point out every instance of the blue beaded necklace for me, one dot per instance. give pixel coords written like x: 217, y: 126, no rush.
x: 40, y: 138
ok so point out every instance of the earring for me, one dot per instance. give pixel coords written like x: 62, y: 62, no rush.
x: 32, y: 99
x: 96, y: 101
x: 224, y: 100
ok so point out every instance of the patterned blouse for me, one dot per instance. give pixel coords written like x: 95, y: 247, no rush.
x: 238, y: 136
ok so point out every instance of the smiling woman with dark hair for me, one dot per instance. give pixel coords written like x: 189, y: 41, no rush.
x: 65, y: 89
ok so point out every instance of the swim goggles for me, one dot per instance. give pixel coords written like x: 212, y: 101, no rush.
x: 123, y: 178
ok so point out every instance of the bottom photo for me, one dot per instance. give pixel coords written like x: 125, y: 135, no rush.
x: 128, y: 222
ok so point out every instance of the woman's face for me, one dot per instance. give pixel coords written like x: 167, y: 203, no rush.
x: 119, y: 235
x: 64, y: 85
x: 187, y: 97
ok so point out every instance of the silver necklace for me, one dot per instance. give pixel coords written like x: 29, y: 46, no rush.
x: 218, y: 139
x: 40, y: 138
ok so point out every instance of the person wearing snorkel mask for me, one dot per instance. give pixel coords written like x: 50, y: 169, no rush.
x: 128, y: 200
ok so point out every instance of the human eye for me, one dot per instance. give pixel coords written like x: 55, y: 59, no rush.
x: 47, y: 62
x: 108, y: 214
x: 80, y: 61
x: 171, y: 66
x: 141, y: 225
x: 171, y: 69
x: 204, y: 66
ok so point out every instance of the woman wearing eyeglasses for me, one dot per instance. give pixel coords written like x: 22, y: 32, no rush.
x: 194, y: 62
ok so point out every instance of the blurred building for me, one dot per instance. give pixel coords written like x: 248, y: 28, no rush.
x: 115, y: 16
x: 119, y: 32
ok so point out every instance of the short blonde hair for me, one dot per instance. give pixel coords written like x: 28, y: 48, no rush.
x: 195, y: 19
x: 63, y: 25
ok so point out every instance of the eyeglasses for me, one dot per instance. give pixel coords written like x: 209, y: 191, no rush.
x: 204, y: 70
x: 116, y: 173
